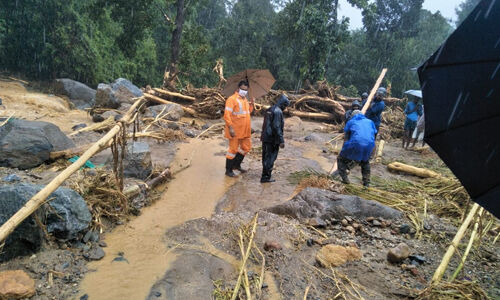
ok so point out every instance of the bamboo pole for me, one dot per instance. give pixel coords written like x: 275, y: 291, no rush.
x: 367, y: 104
x: 173, y: 94
x: 163, y: 101
x: 469, y: 246
x: 420, y: 172
x: 378, y: 157
x: 454, y: 244
x: 37, y: 200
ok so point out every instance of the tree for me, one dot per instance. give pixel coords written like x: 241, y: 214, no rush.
x: 464, y: 9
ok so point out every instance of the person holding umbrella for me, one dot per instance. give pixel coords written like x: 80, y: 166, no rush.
x: 238, y: 128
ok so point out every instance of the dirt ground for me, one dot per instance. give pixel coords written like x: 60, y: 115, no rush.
x: 184, y: 245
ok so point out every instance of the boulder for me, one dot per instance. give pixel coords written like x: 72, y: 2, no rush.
x: 65, y: 216
x: 78, y: 93
x: 114, y: 94
x: 314, y: 202
x: 16, y: 284
x: 174, y: 111
x: 293, y: 124
x: 110, y: 113
x: 313, y: 137
x: 398, y: 254
x: 27, y: 144
x: 137, y: 162
x: 335, y: 255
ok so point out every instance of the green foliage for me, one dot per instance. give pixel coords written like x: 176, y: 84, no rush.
x: 297, y: 40
x: 464, y: 9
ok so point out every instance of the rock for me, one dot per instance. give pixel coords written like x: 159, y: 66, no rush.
x: 173, y: 126
x: 172, y: 111
x: 310, y: 242
x: 109, y: 113
x: 137, y: 162
x: 79, y: 126
x: 370, y: 219
x: 335, y: 255
x: 314, y: 202
x: 84, y: 297
x: 256, y: 126
x: 344, y: 222
x: 114, y: 94
x: 317, y: 222
x: 65, y: 216
x: 349, y: 219
x: 103, y: 244
x: 405, y: 228
x: 399, y: 253
x: 27, y: 144
x: 189, y: 133
x: 95, y: 253
x: 356, y: 226
x: 272, y: 245
x: 313, y: 137
x: 11, y: 178
x: 97, y: 118
x: 350, y: 229
x: 417, y: 258
x: 16, y: 284
x: 78, y: 93
x: 124, y: 107
x: 376, y: 223
x: 294, y: 124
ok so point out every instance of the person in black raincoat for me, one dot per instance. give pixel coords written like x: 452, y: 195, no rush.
x: 354, y: 106
x: 272, y: 136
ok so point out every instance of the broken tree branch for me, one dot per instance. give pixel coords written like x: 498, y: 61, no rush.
x: 163, y: 101
x: 173, y: 94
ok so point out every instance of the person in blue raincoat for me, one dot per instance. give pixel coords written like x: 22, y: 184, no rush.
x: 272, y: 136
x: 412, y: 111
x: 374, y: 112
x: 359, y: 143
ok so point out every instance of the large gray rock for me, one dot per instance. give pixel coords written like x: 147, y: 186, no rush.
x: 113, y: 94
x: 137, y: 162
x: 65, y: 216
x: 173, y: 111
x: 314, y: 202
x: 27, y: 144
x: 79, y: 94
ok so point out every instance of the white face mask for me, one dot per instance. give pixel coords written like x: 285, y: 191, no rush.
x: 243, y: 93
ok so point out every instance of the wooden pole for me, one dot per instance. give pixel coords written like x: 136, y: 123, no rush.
x: 380, y: 150
x: 173, y: 94
x: 367, y: 104
x: 454, y: 245
x: 469, y: 246
x: 37, y: 200
x: 163, y: 101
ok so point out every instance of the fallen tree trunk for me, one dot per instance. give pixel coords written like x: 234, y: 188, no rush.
x: 136, y: 189
x: 173, y: 94
x: 163, y: 101
x: 323, y: 116
x: 420, y: 172
x: 68, y: 153
x: 319, y: 101
x: 40, y: 198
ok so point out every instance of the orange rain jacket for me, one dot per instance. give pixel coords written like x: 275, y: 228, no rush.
x: 237, y: 115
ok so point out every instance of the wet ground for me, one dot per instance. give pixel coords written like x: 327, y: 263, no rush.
x: 142, y: 260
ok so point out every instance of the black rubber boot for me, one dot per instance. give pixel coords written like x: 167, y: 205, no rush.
x: 237, y: 163
x: 229, y: 167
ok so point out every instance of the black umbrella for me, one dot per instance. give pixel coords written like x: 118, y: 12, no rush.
x: 461, y: 93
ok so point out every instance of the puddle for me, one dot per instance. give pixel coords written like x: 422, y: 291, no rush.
x: 314, y: 153
x: 193, y: 193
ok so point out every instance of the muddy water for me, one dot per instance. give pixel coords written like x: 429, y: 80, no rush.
x: 192, y: 194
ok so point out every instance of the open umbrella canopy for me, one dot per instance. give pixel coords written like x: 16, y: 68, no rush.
x: 461, y: 93
x: 416, y: 93
x: 260, y: 82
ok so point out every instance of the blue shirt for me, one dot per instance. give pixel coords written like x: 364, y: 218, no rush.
x: 412, y: 111
x: 374, y: 112
x: 361, y: 141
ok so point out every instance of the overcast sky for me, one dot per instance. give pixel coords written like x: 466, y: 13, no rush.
x: 446, y: 7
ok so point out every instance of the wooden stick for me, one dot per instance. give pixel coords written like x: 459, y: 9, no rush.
x: 172, y: 94
x: 420, y: 172
x: 108, y: 122
x: 163, y: 101
x: 37, y: 200
x: 136, y: 189
x: 378, y: 157
x: 469, y: 246
x: 454, y: 244
x: 365, y: 107
x: 5, y: 122
x: 245, y: 257
x: 306, y: 292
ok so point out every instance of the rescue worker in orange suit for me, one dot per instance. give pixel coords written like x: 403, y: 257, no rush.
x: 238, y: 128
